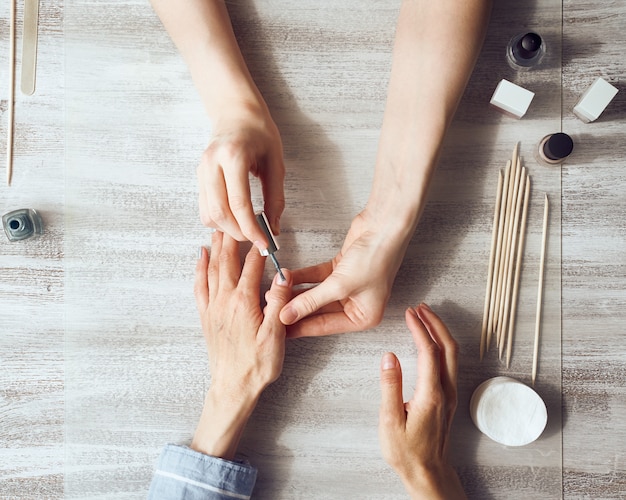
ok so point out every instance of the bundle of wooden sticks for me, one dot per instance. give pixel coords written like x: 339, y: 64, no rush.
x: 507, y: 248
x: 505, y: 262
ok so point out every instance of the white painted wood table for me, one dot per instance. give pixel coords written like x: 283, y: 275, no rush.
x: 102, y: 357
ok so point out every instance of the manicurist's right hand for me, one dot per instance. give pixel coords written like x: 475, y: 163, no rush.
x: 245, y: 141
x: 414, y: 436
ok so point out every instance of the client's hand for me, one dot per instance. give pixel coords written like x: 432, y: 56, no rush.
x: 246, y: 345
x: 414, y: 435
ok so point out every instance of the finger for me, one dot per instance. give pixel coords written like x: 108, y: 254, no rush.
x: 335, y: 306
x: 239, y: 202
x: 332, y: 307
x: 427, y: 353
x: 318, y: 325
x: 214, y: 264
x: 277, y: 296
x: 312, y: 274
x: 252, y: 273
x: 310, y: 301
x: 392, y: 412
x: 203, y: 197
x: 272, y: 182
x: 201, y: 284
x: 449, y: 351
x: 218, y: 205
x: 440, y: 334
x: 229, y: 264
x: 203, y: 207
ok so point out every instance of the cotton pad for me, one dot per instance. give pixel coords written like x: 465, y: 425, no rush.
x: 508, y: 411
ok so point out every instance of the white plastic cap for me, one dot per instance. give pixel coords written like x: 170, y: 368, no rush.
x: 512, y: 99
x: 595, y: 100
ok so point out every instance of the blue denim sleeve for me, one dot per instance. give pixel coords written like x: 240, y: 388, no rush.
x: 183, y: 473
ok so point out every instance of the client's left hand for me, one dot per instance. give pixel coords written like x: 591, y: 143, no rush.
x: 246, y: 345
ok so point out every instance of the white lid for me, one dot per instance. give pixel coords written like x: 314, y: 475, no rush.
x: 595, y: 100
x: 512, y: 98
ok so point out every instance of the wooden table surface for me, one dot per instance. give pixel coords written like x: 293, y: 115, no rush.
x: 101, y: 356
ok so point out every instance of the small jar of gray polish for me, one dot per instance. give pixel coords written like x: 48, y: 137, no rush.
x: 22, y: 224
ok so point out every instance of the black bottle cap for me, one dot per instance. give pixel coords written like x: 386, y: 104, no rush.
x: 558, y: 146
x: 527, y: 46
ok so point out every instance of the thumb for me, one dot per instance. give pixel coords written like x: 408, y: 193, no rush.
x: 278, y: 295
x: 392, y: 402
x: 310, y: 301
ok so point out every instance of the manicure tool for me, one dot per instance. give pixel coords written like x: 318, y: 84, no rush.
x: 273, y: 247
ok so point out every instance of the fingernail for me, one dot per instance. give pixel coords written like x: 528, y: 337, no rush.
x: 289, y: 315
x: 262, y: 248
x: 211, y: 230
x: 199, y: 253
x: 276, y: 225
x: 426, y: 306
x: 278, y: 279
x: 388, y: 361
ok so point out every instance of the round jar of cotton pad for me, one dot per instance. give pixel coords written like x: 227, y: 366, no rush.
x: 508, y: 411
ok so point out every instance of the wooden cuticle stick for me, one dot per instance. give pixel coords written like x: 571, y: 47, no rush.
x: 518, y: 267
x: 494, y: 284
x: 542, y: 261
x: 503, y: 252
x: 492, y: 255
x: 507, y: 246
x: 509, y: 266
x: 11, y: 103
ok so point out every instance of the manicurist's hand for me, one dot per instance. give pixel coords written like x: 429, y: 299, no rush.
x: 246, y: 345
x: 414, y: 436
x: 425, y: 87
x: 245, y: 141
x: 352, y: 290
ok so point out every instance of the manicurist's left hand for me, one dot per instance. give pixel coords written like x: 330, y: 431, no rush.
x: 352, y: 290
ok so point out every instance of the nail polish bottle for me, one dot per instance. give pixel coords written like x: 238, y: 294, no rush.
x: 554, y: 148
x: 525, y: 51
x: 22, y: 224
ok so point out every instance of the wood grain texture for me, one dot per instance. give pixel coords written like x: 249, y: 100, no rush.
x: 132, y: 230
x: 32, y: 275
x: 97, y: 326
x: 594, y: 258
